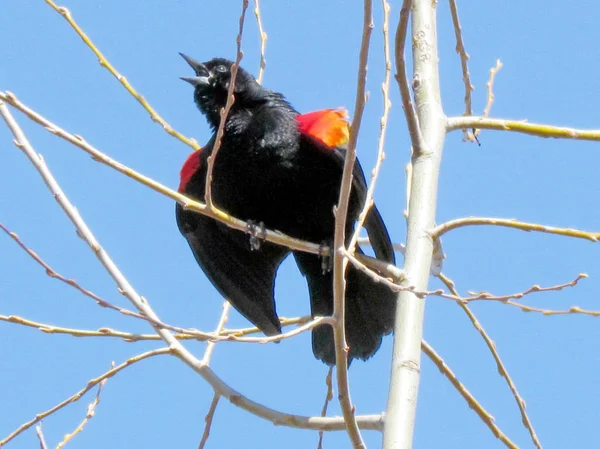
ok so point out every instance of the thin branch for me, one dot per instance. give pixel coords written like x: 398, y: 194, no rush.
x: 103, y: 303
x: 210, y: 346
x: 328, y: 398
x: 412, y: 120
x: 225, y: 335
x: 474, y: 405
x: 440, y: 230
x: 575, y: 310
x: 317, y: 321
x: 534, y: 289
x: 209, y: 419
x: 263, y: 41
x: 225, y: 111
x: 490, y: 89
x: 91, y: 410
x: 126, y: 84
x: 339, y: 261
x: 376, y: 276
x: 501, y: 368
x: 382, y: 128
x: 187, y: 203
x: 129, y: 337
x: 522, y: 126
x: 40, y: 435
x: 464, y: 58
x: 91, y: 384
x: 371, y: 422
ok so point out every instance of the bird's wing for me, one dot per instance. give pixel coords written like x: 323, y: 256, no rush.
x: 244, y: 277
x: 328, y: 131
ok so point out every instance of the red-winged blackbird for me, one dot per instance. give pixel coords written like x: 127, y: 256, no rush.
x: 282, y: 169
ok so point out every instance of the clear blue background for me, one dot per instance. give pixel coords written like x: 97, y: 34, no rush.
x: 550, y: 75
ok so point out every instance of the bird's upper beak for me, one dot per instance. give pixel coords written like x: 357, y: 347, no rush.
x: 202, y: 77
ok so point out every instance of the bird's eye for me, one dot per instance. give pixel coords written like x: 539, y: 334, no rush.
x: 221, y: 68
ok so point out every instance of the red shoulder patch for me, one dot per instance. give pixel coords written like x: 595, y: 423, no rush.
x: 329, y: 126
x: 190, y: 167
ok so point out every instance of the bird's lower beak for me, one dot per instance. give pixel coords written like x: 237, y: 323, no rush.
x: 202, y: 77
x: 196, y: 80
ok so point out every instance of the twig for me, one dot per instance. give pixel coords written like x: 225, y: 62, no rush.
x: 317, y: 321
x: 400, y: 247
x: 371, y: 422
x: 328, y: 398
x: 126, y: 84
x: 575, y: 310
x: 187, y: 203
x: 440, y: 230
x: 72, y: 283
x: 91, y: 410
x: 339, y: 261
x: 412, y: 120
x: 263, y: 41
x: 490, y: 94
x: 487, y: 419
x: 225, y: 111
x: 209, y: 419
x: 464, y: 58
x: 40, y: 435
x: 210, y: 346
x: 91, y: 384
x: 382, y: 128
x: 501, y: 368
x: 398, y: 274
x: 490, y: 86
x: 129, y: 337
x: 534, y: 289
x: 522, y: 126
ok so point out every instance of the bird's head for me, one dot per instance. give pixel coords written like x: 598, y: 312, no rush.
x: 212, y: 82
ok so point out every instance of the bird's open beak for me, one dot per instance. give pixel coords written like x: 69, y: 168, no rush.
x: 202, y: 77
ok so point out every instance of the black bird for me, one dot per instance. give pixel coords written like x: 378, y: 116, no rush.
x: 282, y: 169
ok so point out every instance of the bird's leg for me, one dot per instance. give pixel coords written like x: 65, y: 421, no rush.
x: 326, y: 260
x: 258, y: 233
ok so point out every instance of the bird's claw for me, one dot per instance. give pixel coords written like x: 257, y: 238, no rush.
x: 257, y: 232
x: 326, y: 260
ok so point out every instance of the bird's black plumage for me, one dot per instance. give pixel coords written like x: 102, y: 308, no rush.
x: 268, y: 171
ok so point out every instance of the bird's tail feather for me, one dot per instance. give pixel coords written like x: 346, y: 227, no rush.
x: 370, y: 310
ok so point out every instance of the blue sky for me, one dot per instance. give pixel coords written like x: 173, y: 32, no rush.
x: 549, y: 75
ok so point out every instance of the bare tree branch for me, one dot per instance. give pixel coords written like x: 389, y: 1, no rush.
x: 91, y: 410
x: 263, y: 41
x: 524, y: 127
x: 385, y: 87
x: 225, y: 111
x: 464, y: 58
x: 412, y: 120
x: 91, y: 384
x: 440, y: 230
x: 328, y: 398
x: 209, y: 419
x: 103, y: 303
x: 40, y: 435
x: 126, y: 84
x: 490, y: 89
x: 339, y: 261
x: 406, y: 358
x: 501, y: 368
x: 485, y: 416
x: 128, y: 337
